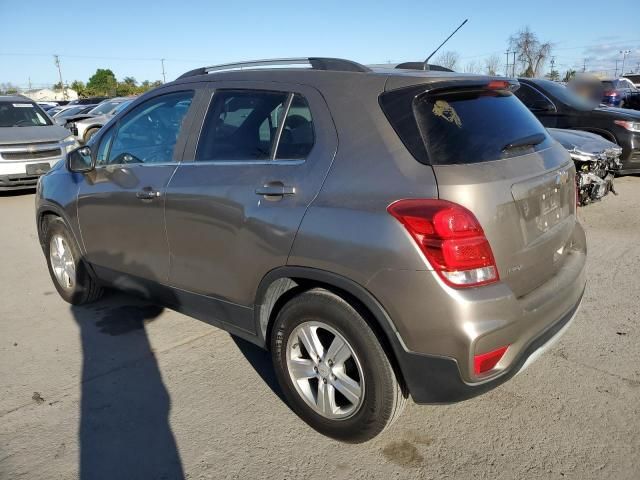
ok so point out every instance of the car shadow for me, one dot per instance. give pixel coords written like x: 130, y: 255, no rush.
x: 124, y: 427
x: 260, y: 360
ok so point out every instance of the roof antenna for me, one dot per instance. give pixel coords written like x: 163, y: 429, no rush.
x: 426, y: 62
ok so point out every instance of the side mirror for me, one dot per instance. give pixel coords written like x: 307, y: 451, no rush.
x: 80, y: 160
x: 542, y: 106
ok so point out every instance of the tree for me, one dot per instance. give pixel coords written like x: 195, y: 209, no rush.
x: 529, y: 51
x: 569, y: 76
x: 8, y: 88
x: 103, y: 82
x: 473, y: 67
x: 447, y: 59
x: 57, y: 86
x: 492, y: 64
x: 553, y: 75
x: 79, y: 88
x: 128, y: 86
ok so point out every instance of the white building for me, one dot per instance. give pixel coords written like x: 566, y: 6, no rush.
x: 46, y: 94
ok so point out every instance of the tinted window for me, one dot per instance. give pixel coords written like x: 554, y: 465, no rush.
x: 244, y: 124
x: 475, y: 126
x: 241, y: 125
x: 148, y: 133
x: 297, y: 136
x: 565, y: 95
x: 22, y: 114
x: 533, y: 99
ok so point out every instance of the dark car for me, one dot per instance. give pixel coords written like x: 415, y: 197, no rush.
x: 620, y: 92
x: 556, y: 106
x: 88, y: 101
x: 381, y: 232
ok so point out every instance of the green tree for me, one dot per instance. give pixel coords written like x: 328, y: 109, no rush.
x: 79, y: 88
x: 553, y: 75
x: 569, y: 76
x: 103, y: 82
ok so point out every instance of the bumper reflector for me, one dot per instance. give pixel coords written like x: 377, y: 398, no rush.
x: 484, y: 362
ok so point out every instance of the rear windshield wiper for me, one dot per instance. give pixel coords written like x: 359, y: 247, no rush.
x: 528, y: 141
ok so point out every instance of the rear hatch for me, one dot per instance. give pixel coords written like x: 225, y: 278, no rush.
x: 491, y: 155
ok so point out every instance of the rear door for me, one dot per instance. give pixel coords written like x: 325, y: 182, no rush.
x: 235, y: 203
x: 490, y: 154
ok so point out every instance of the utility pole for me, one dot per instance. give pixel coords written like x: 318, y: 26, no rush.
x: 56, y: 59
x: 164, y: 78
x: 29, y: 83
x: 553, y: 63
x: 514, y: 64
x: 616, y: 74
x: 584, y: 65
x: 624, y: 56
x: 506, y: 66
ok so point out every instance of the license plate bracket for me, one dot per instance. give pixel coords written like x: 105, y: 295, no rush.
x: 38, y: 168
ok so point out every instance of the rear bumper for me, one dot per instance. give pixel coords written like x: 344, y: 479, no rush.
x: 437, y: 379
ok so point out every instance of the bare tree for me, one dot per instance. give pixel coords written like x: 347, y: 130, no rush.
x: 448, y: 59
x: 473, y: 67
x: 531, y: 54
x: 492, y: 64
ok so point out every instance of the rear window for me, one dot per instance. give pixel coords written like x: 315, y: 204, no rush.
x: 472, y: 127
x: 465, y: 126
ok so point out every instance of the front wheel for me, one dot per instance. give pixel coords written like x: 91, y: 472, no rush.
x: 332, y: 368
x: 68, y: 272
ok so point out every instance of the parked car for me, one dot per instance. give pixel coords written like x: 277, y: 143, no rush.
x: 620, y: 92
x: 433, y: 250
x: 88, y: 101
x: 47, y: 105
x: 61, y: 118
x: 54, y: 112
x: 633, y: 78
x: 86, y: 125
x: 556, y: 106
x: 30, y: 144
x: 597, y: 162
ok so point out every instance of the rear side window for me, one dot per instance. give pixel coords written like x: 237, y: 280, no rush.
x: 467, y: 126
x: 246, y: 124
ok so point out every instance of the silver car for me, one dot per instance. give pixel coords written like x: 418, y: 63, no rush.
x: 30, y: 144
x: 384, y: 233
x: 85, y: 126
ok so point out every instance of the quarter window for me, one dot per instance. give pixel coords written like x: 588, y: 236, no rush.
x: 532, y: 99
x: 244, y: 124
x: 148, y: 133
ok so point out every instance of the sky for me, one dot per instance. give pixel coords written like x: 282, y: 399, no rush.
x: 130, y: 37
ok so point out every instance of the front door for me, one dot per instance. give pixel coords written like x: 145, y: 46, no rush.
x: 121, y: 202
x: 234, y: 209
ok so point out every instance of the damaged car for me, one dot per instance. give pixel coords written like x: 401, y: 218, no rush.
x: 597, y: 161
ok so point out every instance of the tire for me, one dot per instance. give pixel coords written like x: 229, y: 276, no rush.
x: 350, y: 417
x: 68, y: 271
x: 90, y: 133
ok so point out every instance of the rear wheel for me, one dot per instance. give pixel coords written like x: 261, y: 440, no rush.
x: 68, y: 272
x: 332, y: 369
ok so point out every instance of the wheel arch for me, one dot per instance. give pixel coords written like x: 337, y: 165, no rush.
x: 282, y: 284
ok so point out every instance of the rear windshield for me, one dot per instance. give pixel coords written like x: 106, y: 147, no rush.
x: 476, y: 126
x: 22, y: 114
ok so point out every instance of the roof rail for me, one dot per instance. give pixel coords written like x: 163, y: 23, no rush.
x: 315, y: 63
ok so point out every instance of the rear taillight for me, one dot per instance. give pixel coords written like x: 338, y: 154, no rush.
x: 484, y: 362
x: 610, y: 93
x: 451, y: 239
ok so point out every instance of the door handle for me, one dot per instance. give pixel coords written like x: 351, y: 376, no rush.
x: 147, y: 194
x: 275, y: 189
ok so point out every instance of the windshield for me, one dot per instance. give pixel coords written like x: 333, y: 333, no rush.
x: 121, y: 107
x: 22, y: 114
x: 105, y: 107
x: 565, y: 95
x: 69, y: 111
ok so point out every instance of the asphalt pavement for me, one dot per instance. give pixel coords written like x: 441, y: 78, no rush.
x: 123, y: 389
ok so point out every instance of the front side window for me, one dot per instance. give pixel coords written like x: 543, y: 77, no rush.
x: 244, y: 124
x: 148, y: 133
